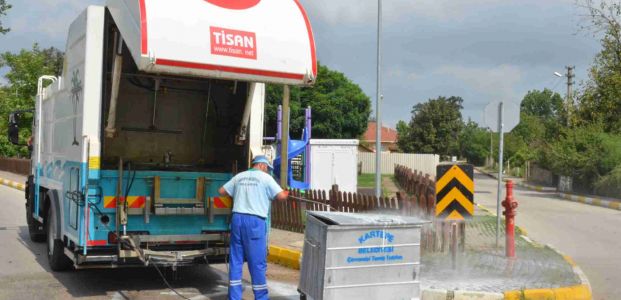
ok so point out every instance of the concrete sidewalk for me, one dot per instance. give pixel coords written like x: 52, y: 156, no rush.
x: 482, y: 269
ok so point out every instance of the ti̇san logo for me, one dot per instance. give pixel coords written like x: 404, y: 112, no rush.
x: 235, y: 43
x: 382, y: 253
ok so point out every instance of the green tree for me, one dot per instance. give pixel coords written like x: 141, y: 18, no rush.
x: 474, y: 143
x: 610, y: 184
x: 545, y: 104
x: 600, y: 101
x: 403, y: 131
x: 541, y: 118
x: 585, y: 153
x: 340, y: 109
x: 27, y: 66
x: 24, y: 70
x: 434, y: 127
x: 4, y: 7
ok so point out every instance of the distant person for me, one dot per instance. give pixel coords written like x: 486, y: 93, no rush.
x: 29, y: 143
x: 252, y: 192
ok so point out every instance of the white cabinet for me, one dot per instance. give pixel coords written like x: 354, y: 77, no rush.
x: 334, y: 162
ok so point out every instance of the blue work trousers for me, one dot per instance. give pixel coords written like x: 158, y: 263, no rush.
x: 248, y: 242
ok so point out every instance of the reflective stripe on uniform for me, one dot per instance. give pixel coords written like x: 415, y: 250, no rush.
x: 235, y: 282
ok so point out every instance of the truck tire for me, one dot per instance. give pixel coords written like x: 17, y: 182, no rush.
x: 55, y: 249
x: 35, y: 228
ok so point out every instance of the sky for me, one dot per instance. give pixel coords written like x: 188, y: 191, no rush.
x: 480, y: 50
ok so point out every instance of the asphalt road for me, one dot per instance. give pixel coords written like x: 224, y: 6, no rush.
x: 24, y: 272
x: 590, y: 235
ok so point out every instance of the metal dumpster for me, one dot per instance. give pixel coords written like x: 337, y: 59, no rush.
x: 360, y: 256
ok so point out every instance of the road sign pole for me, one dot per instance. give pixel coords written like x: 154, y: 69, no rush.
x: 500, y: 164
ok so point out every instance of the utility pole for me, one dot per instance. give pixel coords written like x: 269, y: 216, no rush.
x: 491, y: 148
x: 378, y: 120
x: 569, y: 103
x: 284, y: 139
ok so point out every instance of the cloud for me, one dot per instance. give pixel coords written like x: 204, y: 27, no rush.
x: 360, y: 12
x: 498, y: 83
x: 48, y: 18
x: 398, y: 73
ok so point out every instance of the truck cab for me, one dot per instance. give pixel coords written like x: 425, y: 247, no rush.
x: 159, y: 104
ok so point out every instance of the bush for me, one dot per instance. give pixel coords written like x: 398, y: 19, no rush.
x: 610, y: 185
x: 585, y: 153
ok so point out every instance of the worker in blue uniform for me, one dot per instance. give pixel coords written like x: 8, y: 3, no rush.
x: 252, y: 192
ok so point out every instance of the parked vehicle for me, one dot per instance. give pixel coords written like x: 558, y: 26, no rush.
x: 159, y: 104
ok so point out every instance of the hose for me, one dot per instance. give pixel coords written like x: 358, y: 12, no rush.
x: 129, y: 244
x: 133, y: 247
x: 313, y: 202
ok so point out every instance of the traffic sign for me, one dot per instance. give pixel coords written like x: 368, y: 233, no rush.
x: 501, y: 117
x: 454, y: 191
x: 510, y: 115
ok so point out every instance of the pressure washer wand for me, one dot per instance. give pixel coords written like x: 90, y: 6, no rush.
x: 312, y: 202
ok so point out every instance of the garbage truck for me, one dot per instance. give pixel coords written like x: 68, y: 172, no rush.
x: 158, y: 105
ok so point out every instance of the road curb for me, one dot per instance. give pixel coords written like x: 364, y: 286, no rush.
x: 616, y: 205
x: 13, y: 184
x: 537, y: 188
x: 589, y: 200
x: 285, y: 257
x: 594, y: 201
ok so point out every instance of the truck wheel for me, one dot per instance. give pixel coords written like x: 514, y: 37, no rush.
x: 35, y: 230
x: 55, y: 249
x: 36, y: 235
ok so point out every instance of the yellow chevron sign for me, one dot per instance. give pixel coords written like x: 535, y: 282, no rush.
x: 454, y: 191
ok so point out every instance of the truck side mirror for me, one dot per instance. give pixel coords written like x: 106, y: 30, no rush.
x: 13, y: 130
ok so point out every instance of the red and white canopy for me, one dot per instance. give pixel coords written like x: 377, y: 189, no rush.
x: 251, y: 40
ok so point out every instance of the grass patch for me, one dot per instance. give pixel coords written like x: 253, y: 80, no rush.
x: 366, y: 180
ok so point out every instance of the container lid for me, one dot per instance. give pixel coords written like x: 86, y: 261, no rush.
x: 353, y: 219
x: 250, y: 40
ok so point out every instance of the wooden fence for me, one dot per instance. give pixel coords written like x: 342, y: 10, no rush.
x: 417, y: 198
x: 426, y: 163
x: 15, y: 165
x: 290, y: 215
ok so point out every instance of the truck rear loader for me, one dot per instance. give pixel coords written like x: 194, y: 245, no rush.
x: 159, y: 104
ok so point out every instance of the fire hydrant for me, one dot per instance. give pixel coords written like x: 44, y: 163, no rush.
x: 510, y: 206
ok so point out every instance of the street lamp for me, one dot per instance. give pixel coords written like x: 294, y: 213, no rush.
x: 569, y: 101
x: 378, y: 120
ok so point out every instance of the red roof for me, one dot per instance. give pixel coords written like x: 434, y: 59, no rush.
x: 389, y: 135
